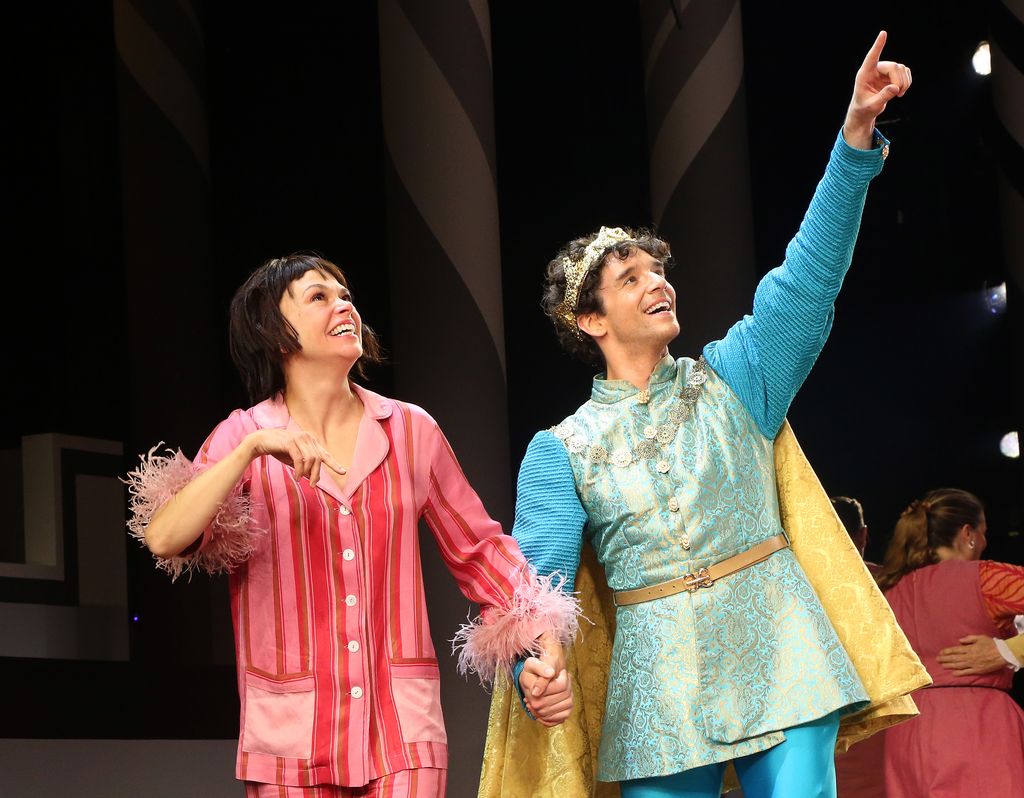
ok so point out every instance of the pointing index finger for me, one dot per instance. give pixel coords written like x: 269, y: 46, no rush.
x: 328, y: 460
x: 871, y: 59
x: 335, y: 466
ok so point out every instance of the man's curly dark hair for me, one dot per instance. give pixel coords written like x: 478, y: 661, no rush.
x: 575, y: 341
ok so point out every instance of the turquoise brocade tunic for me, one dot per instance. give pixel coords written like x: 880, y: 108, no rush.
x: 721, y: 672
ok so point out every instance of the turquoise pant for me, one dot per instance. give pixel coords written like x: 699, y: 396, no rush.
x: 803, y: 765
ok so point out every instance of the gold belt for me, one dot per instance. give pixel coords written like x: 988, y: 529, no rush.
x: 705, y: 577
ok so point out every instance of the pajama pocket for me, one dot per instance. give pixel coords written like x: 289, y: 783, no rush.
x: 417, y: 691
x: 278, y: 714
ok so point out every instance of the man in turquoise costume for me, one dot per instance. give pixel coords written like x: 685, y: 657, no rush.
x: 722, y: 650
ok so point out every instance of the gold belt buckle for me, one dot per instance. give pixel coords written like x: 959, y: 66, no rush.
x: 698, y: 580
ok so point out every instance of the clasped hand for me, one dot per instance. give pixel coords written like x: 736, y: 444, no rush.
x: 546, y: 684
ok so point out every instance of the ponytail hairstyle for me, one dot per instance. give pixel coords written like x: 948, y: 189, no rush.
x: 925, y: 526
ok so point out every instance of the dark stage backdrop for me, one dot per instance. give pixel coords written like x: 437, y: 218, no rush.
x: 111, y: 334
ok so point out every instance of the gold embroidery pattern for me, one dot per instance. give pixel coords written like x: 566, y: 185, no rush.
x: 699, y: 677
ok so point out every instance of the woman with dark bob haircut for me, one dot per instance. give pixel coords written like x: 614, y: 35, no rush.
x: 969, y: 738
x: 311, y: 500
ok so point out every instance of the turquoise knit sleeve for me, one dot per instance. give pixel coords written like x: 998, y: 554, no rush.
x: 766, y: 356
x: 549, y: 517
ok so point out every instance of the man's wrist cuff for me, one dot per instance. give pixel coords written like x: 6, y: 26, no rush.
x: 1004, y: 651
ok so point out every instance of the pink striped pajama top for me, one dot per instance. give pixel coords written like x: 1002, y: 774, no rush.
x: 337, y: 674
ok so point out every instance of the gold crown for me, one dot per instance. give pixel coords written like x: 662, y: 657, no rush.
x: 575, y: 269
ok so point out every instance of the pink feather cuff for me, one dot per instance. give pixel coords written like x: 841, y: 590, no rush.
x: 493, y: 641
x: 227, y: 542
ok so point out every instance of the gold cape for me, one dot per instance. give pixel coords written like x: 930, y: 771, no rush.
x: 523, y: 759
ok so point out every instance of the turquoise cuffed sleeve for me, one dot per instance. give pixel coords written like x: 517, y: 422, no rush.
x: 517, y: 671
x: 766, y: 356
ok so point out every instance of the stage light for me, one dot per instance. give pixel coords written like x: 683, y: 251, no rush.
x: 1010, y: 444
x: 995, y: 298
x: 982, y: 60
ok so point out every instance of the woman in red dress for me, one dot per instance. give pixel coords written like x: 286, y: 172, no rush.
x: 969, y: 738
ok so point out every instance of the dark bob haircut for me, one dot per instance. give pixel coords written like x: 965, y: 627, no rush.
x: 575, y: 341
x: 261, y: 338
